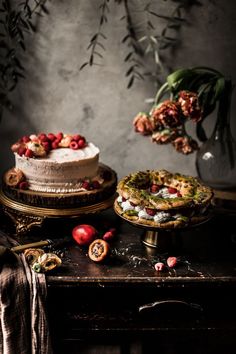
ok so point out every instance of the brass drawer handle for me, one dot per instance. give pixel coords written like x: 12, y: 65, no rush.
x: 160, y: 304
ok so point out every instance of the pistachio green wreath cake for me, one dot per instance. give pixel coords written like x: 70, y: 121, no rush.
x: 163, y: 199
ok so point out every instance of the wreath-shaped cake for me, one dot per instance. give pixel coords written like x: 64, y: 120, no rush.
x: 163, y: 199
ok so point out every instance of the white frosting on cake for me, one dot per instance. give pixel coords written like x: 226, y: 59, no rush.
x: 62, y: 170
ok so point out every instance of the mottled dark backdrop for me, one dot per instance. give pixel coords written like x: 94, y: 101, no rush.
x: 57, y: 96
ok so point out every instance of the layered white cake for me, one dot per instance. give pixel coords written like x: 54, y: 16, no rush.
x: 61, y: 170
x: 55, y: 163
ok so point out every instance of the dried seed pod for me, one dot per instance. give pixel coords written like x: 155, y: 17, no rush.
x: 13, y: 177
x: 32, y: 254
x: 46, y: 262
x: 98, y: 250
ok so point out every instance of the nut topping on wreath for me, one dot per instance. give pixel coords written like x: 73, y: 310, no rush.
x: 162, y: 199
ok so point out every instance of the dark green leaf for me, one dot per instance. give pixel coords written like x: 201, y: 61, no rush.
x: 130, y: 70
x: 94, y: 37
x: 219, y: 87
x: 125, y: 38
x: 102, y: 35
x: 83, y: 65
x: 44, y: 9
x: 173, y: 78
x: 91, y: 60
x: 98, y: 54
x: 160, y: 16
x: 21, y: 43
x: 128, y: 56
x: 130, y: 83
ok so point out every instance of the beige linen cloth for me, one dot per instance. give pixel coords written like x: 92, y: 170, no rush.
x: 23, y: 318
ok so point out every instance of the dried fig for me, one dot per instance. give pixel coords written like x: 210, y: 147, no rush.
x: 13, y: 177
x: 98, y: 250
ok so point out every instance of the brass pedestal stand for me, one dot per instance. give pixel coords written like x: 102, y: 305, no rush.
x: 26, y: 216
x: 161, y: 238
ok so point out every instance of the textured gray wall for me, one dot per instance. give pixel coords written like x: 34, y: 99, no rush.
x: 56, y: 96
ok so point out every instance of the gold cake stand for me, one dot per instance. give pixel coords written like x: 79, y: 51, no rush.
x: 26, y: 216
x: 157, y: 237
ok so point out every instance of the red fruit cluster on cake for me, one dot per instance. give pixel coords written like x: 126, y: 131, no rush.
x: 40, y: 145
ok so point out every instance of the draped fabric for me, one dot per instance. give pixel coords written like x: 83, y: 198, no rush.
x: 23, y: 318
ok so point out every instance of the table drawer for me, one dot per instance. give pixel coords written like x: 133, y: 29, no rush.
x: 135, y: 308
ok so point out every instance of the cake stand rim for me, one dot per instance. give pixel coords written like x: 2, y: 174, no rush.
x: 162, y: 229
x: 55, y: 212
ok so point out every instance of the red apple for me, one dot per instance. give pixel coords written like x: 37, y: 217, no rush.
x: 84, y: 234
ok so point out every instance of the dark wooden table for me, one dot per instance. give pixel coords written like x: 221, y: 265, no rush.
x: 125, y: 303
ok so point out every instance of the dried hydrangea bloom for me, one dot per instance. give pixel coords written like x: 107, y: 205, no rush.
x: 165, y: 136
x: 143, y: 124
x: 167, y: 114
x: 185, y: 144
x: 190, y: 105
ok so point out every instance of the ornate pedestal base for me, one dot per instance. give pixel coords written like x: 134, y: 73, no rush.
x: 26, y: 216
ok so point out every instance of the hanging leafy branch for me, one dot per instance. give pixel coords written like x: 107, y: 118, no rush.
x: 16, y: 21
x: 133, y: 57
x: 95, y: 46
x: 151, y: 43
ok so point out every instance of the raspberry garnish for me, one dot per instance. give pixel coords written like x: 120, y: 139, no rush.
x: 159, y: 266
x: 21, y: 150
x: 155, y: 188
x: 59, y: 136
x: 171, y: 262
x: 29, y: 153
x: 96, y: 185
x: 43, y: 137
x: 150, y: 211
x: 74, y: 145
x: 25, y: 139
x: 55, y: 144
x: 51, y: 136
x: 172, y: 190
x: 76, y: 137
x: 86, y: 185
x: 81, y: 143
x: 46, y: 145
x: 23, y: 185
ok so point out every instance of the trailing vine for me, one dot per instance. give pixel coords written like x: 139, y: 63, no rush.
x: 150, y: 43
x: 16, y: 21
